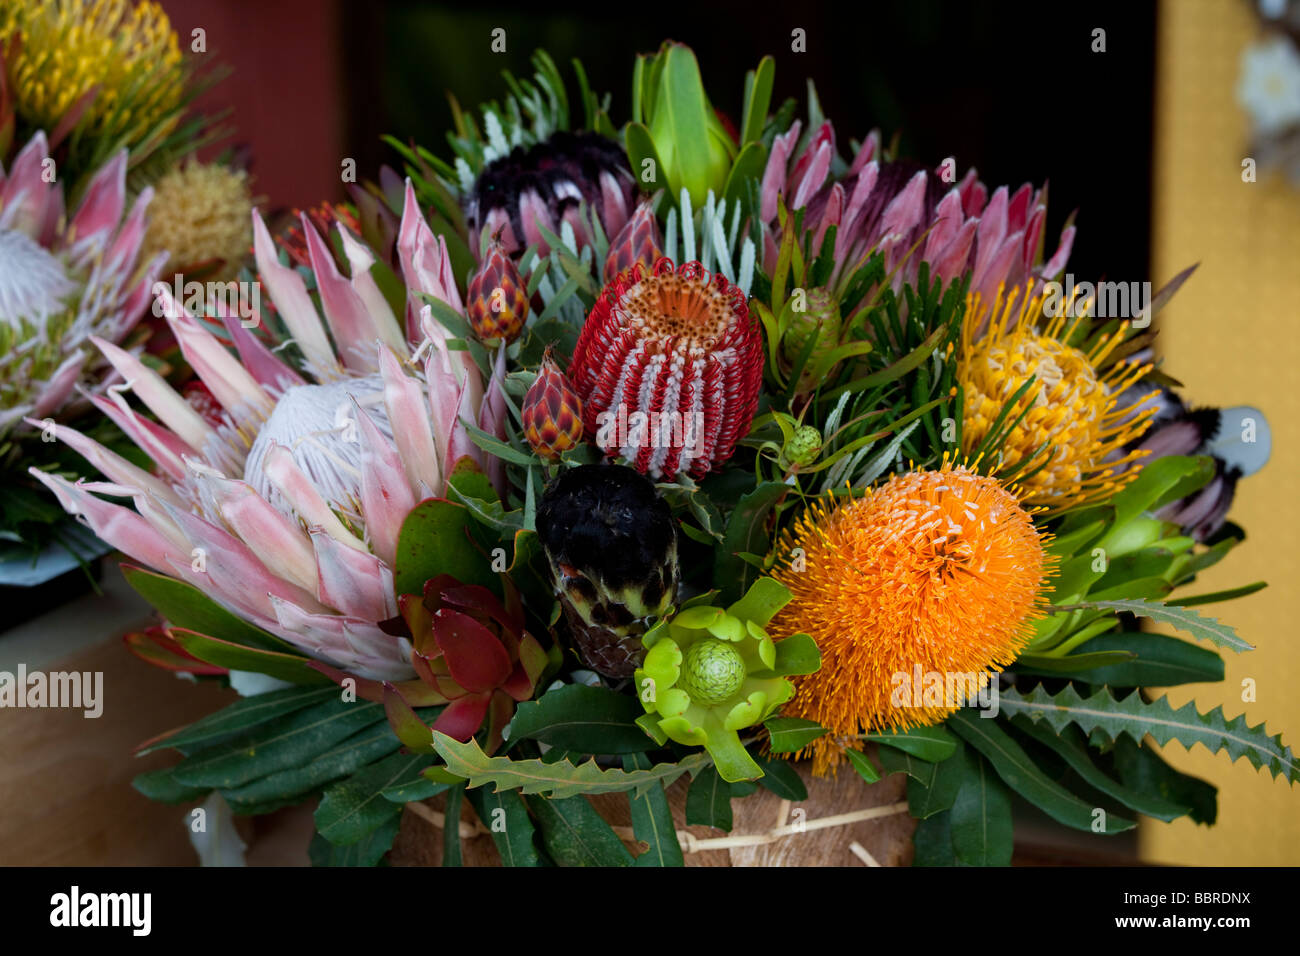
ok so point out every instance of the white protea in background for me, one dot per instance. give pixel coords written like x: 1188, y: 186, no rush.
x: 64, y: 280
x: 295, y: 490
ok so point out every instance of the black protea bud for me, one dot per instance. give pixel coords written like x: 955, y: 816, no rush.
x: 541, y: 186
x: 612, y: 546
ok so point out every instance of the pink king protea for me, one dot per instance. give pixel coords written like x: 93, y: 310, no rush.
x: 668, y: 367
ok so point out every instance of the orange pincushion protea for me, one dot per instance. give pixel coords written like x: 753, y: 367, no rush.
x: 933, y: 573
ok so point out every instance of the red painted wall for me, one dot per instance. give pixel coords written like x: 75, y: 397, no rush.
x: 286, y: 91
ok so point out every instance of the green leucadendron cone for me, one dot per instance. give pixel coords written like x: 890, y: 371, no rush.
x: 709, y: 673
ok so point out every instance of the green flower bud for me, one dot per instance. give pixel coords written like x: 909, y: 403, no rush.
x: 803, y: 446
x: 712, y: 671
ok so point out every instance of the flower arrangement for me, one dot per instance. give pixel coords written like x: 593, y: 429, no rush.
x: 94, y: 97
x: 598, y: 457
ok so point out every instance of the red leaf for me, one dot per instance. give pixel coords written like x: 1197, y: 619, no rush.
x: 474, y: 656
x: 410, y: 729
x: 463, y: 717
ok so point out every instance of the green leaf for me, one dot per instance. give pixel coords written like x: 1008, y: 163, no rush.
x: 746, y: 534
x: 562, y: 779
x: 416, y: 785
x: 748, y: 167
x: 652, y: 821
x: 288, y: 667
x: 162, y: 786
x: 764, y: 598
x: 932, y: 841
x: 640, y: 147
x: 758, y: 98
x: 1071, y: 746
x: 1137, y: 718
x: 1023, y: 776
x: 681, y: 123
x: 932, y: 787
x: 451, y: 826
x: 863, y: 765
x: 242, y: 715
x: 781, y: 778
x: 1161, y: 481
x: 927, y: 743
x: 507, y: 821
x: 1228, y: 594
x: 435, y: 539
x: 185, y: 606
x: 980, y: 820
x: 367, y: 851
x: 283, y: 744
x: 708, y: 802
x: 284, y: 786
x: 581, y: 719
x: 1204, y: 628
x: 1140, y: 768
x: 1156, y: 660
x: 574, y: 834
x: 790, y: 734
x: 355, y: 807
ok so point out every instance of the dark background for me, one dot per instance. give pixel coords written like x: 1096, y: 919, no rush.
x: 1012, y: 88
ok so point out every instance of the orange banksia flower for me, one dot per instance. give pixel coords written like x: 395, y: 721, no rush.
x: 923, y: 588
x: 552, y: 412
x: 497, y: 304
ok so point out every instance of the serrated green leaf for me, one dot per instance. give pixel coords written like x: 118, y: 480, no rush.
x: 1158, y: 718
x: 561, y: 780
x: 1189, y: 622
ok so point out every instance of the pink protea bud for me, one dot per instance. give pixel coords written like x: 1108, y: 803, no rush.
x: 552, y: 412
x: 668, y: 366
x: 497, y: 304
x: 638, y: 242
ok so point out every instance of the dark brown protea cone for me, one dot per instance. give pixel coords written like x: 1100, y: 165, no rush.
x: 638, y: 242
x: 552, y: 412
x: 612, y: 546
x: 497, y: 304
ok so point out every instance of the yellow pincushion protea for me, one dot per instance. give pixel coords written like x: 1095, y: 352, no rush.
x: 930, y: 581
x: 201, y: 215
x: 128, y: 51
x: 1066, y: 445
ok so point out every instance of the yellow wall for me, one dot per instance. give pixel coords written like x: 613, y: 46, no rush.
x: 1232, y: 336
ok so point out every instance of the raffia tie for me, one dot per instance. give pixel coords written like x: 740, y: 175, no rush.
x: 693, y: 844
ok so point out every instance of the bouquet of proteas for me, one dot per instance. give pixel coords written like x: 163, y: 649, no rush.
x: 593, y: 459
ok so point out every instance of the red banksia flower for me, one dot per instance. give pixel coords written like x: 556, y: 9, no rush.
x: 497, y: 304
x: 552, y: 412
x: 638, y: 243
x: 668, y: 366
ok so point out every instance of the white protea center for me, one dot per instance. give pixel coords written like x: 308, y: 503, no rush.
x: 33, y: 282
x: 317, y: 423
x: 294, y: 489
